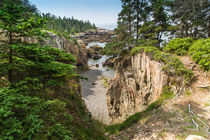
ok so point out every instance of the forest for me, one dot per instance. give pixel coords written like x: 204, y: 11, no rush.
x: 67, y: 25
x: 156, y: 22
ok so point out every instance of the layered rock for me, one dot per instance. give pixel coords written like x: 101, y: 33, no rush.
x: 138, y: 82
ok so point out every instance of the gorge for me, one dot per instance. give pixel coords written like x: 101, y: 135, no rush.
x: 145, y: 78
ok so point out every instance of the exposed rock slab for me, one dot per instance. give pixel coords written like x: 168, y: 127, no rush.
x: 138, y: 82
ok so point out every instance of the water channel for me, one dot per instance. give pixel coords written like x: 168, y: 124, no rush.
x: 94, y: 90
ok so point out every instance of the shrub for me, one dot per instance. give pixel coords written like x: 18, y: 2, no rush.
x: 179, y: 46
x: 172, y: 65
x: 200, y: 52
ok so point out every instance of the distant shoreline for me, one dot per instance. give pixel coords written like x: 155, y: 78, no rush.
x: 109, y: 26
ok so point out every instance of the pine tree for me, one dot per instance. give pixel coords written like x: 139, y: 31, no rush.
x: 141, y: 14
x: 17, y: 21
x: 126, y: 21
x: 192, y: 17
x: 160, y: 19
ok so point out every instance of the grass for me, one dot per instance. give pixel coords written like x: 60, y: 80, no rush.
x: 114, y: 129
x: 105, y: 80
x: 188, y: 93
x: 207, y: 104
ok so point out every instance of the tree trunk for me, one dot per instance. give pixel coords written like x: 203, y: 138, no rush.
x: 209, y: 29
x: 186, y: 29
x: 182, y: 30
x: 129, y: 25
x: 137, y: 19
x: 10, y: 72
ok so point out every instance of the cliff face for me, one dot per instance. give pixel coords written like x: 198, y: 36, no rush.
x: 138, y: 82
x: 79, y: 50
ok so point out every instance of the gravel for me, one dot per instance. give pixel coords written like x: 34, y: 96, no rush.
x: 94, y: 94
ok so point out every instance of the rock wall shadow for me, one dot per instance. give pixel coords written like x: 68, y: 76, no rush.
x: 88, y: 85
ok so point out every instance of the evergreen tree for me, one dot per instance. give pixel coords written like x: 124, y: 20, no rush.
x: 192, y: 17
x: 125, y: 21
x: 160, y: 19
x: 16, y: 22
x: 141, y: 14
x: 67, y: 25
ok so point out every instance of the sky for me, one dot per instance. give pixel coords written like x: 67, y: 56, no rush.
x: 96, y: 11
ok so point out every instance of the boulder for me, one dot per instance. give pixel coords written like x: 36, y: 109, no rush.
x: 96, y: 48
x: 110, y: 62
x: 96, y: 57
x: 195, y: 137
x: 97, y: 65
x: 90, y: 53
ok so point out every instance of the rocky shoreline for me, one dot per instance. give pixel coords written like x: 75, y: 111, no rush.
x: 98, y: 35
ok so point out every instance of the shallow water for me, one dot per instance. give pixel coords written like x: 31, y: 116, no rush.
x: 106, y: 71
x: 96, y: 43
x: 94, y: 90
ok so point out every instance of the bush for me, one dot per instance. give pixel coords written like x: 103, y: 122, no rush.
x: 200, y: 52
x: 113, y: 48
x: 179, y: 46
x: 172, y: 65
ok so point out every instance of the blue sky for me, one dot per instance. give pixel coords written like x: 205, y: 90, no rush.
x: 97, y: 11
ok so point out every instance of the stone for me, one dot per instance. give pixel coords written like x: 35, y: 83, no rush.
x: 138, y: 82
x: 96, y: 57
x: 99, y: 35
x: 195, y: 137
x: 97, y: 65
x: 110, y: 62
x: 96, y: 48
x: 90, y: 53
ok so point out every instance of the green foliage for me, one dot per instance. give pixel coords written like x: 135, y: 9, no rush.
x: 191, y: 18
x: 40, y: 100
x: 179, y: 46
x: 166, y: 94
x: 148, y: 33
x: 67, y: 25
x: 172, y: 65
x: 113, y: 48
x: 45, y: 64
x: 18, y: 20
x: 200, y: 52
x: 35, y: 68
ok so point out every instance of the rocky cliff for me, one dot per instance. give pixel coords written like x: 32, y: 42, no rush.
x: 138, y: 82
x: 77, y: 48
